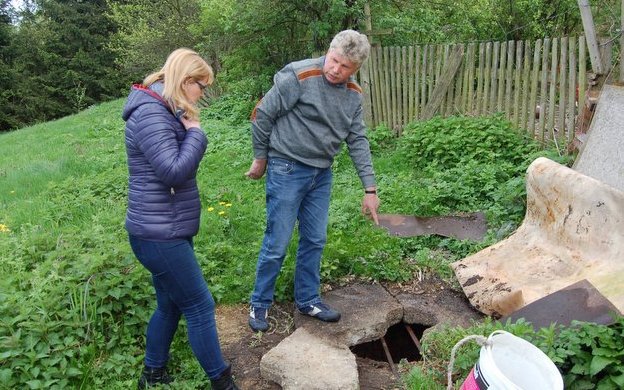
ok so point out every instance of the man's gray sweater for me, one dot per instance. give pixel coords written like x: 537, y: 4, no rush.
x: 305, y: 118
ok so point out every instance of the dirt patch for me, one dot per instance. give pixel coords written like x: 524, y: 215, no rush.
x: 244, y: 348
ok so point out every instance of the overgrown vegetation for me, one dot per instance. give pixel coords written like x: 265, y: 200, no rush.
x: 74, y: 301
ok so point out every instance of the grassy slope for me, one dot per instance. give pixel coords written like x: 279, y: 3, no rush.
x: 74, y: 301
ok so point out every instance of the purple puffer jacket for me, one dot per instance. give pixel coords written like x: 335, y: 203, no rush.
x: 163, y: 158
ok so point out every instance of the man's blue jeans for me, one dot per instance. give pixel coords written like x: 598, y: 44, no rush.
x: 180, y: 289
x: 294, y: 191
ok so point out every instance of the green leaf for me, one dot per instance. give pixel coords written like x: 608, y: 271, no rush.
x: 598, y: 363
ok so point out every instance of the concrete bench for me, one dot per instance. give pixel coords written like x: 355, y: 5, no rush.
x: 573, y: 230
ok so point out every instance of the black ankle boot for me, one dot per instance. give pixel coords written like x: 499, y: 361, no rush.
x: 224, y: 381
x: 154, y: 376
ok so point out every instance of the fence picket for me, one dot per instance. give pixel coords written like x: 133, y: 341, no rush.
x: 541, y: 110
x: 554, y: 66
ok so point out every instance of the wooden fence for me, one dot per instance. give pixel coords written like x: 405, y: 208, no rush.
x: 538, y: 85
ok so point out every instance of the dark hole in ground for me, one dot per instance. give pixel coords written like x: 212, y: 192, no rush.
x: 399, y: 342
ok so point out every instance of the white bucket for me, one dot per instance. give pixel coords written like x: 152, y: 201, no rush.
x: 508, y: 362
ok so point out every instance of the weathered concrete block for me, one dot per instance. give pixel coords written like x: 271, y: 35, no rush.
x: 573, y: 230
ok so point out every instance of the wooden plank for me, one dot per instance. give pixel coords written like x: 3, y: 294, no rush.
x: 393, y: 89
x: 404, y: 87
x: 410, y: 82
x: 466, y: 102
x: 518, y: 85
x: 487, y: 78
x: 447, y: 104
x: 417, y: 62
x: 590, y: 36
x: 571, y: 114
x: 446, y: 78
x: 541, y: 111
x: 552, y: 96
x: 377, y: 101
x: 494, y: 77
x: 526, y: 82
x: 534, y: 81
x: 459, y: 87
x: 502, y: 71
x: 364, y: 74
x: 480, y: 70
x: 431, y: 71
x: 471, y: 77
x: 385, y: 65
x: 423, y: 80
x: 563, y: 61
x: 582, y: 83
x: 511, y: 45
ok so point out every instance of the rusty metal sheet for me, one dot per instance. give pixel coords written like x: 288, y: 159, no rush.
x: 580, y: 301
x: 463, y: 227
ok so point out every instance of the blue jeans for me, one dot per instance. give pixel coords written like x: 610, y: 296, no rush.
x: 294, y: 191
x: 180, y: 289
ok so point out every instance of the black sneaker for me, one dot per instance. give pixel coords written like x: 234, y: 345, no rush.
x: 321, y: 311
x: 153, y: 376
x: 258, y: 319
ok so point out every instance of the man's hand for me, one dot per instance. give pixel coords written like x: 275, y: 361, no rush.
x: 256, y: 171
x: 370, y: 203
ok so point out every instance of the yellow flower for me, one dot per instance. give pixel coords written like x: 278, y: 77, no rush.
x: 4, y: 228
x: 210, y: 208
x: 228, y: 205
x: 221, y: 212
x: 222, y: 203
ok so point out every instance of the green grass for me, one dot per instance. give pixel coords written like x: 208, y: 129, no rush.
x: 73, y: 300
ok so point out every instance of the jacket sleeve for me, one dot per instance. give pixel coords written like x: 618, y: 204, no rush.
x: 278, y: 101
x: 173, y: 162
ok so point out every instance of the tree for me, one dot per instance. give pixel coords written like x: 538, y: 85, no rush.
x: 60, y: 52
x: 148, y: 30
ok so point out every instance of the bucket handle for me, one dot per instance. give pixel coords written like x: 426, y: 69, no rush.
x: 481, y: 340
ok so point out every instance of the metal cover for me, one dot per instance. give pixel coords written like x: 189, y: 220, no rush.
x: 580, y: 301
x: 463, y: 227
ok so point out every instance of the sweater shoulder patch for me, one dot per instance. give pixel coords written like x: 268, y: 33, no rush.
x: 353, y: 86
x: 305, y: 74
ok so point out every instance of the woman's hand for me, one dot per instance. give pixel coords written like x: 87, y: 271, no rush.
x: 189, y: 123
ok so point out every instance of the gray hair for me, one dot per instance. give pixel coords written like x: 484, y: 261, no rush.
x: 351, y: 44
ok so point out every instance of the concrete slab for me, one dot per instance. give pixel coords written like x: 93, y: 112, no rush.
x: 303, y: 361
x: 602, y: 155
x: 367, y: 312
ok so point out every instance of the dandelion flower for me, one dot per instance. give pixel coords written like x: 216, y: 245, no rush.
x: 221, y: 212
x: 210, y: 208
x: 4, y: 228
x: 222, y: 203
x: 228, y: 205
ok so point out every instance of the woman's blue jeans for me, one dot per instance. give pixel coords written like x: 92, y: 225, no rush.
x: 180, y: 289
x: 294, y: 191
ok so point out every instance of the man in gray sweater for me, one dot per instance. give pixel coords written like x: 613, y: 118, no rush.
x: 298, y: 127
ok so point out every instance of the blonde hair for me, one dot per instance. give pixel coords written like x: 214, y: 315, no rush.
x: 181, y: 66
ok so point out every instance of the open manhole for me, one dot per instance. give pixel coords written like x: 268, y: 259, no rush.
x: 401, y: 341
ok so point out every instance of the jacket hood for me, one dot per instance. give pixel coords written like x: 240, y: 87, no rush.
x: 140, y: 94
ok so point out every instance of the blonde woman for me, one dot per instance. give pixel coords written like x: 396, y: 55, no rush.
x: 165, y: 144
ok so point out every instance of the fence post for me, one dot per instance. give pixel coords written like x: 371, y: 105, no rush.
x: 590, y: 35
